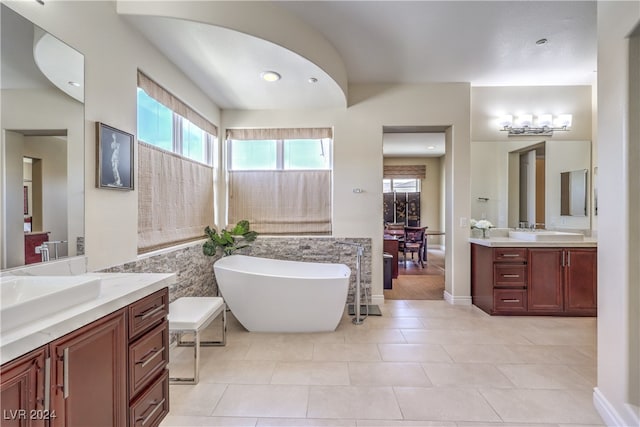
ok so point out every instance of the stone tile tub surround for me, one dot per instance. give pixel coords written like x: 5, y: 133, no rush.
x: 194, y: 270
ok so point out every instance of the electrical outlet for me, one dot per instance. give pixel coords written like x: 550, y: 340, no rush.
x: 464, y: 222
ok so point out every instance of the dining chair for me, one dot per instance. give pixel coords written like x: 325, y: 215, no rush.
x: 414, y: 240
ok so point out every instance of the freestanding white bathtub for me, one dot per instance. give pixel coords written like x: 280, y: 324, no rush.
x: 269, y: 295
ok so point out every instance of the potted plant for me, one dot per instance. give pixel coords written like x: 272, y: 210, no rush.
x: 229, y: 241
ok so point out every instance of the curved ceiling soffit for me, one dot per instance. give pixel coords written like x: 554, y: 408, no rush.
x: 260, y: 19
x: 61, y: 64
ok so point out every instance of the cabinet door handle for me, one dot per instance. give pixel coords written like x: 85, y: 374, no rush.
x: 510, y: 300
x: 152, y: 354
x: 563, y: 258
x: 47, y: 383
x: 568, y: 259
x: 511, y: 275
x: 158, y: 405
x: 510, y: 255
x: 150, y: 312
x: 65, y: 383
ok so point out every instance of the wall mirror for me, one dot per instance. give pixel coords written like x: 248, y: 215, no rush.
x: 42, y: 145
x: 573, y: 193
x: 517, y: 181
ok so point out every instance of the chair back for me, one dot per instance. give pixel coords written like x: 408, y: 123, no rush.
x: 414, y: 234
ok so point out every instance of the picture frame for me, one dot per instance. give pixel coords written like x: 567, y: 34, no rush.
x: 114, y: 151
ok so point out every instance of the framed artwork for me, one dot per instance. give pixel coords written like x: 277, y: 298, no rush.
x: 114, y: 158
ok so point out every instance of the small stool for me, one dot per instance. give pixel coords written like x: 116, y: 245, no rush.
x: 193, y: 314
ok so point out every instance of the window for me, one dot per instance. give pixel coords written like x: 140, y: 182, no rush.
x: 280, y: 179
x: 157, y: 125
x: 175, y: 176
x: 287, y: 154
x: 403, y: 185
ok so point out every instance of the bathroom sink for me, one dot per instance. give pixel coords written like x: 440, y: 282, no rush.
x: 24, y: 299
x: 546, y: 236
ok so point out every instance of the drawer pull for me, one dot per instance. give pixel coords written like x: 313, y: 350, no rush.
x: 158, y: 405
x: 511, y: 275
x: 150, y: 312
x: 510, y: 300
x: 510, y: 255
x: 152, y: 354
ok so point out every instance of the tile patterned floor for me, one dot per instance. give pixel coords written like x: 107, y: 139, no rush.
x: 423, y: 363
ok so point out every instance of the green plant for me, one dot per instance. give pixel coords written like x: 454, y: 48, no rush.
x: 229, y: 241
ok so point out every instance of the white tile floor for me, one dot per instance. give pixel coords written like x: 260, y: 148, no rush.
x: 423, y: 363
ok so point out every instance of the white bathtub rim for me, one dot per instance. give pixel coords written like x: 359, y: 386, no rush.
x: 220, y: 263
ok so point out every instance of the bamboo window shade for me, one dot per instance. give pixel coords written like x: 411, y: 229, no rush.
x: 172, y: 102
x: 175, y: 198
x: 279, y: 133
x: 404, y: 171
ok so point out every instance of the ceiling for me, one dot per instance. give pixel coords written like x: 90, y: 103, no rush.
x: 486, y: 43
x: 34, y: 59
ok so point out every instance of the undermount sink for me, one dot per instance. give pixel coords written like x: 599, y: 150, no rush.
x: 546, y: 236
x: 24, y: 299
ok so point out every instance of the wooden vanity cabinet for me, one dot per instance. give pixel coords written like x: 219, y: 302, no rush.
x: 89, y: 374
x: 499, y: 279
x: 547, y: 281
x: 111, y: 372
x: 22, y: 390
x: 563, y: 280
x: 148, y: 360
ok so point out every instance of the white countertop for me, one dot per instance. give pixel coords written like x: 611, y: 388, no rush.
x: 508, y: 242
x: 117, y: 290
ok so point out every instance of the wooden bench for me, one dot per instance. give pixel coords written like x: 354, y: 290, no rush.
x: 192, y: 315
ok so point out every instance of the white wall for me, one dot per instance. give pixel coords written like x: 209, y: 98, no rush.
x: 618, y: 305
x: 113, y: 52
x: 358, y: 161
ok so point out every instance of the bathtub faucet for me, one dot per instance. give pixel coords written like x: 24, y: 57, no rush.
x: 357, y: 320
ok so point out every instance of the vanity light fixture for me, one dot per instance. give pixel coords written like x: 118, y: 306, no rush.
x: 270, y: 76
x: 544, y: 124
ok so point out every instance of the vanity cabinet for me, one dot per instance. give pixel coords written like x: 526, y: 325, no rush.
x: 111, y: 372
x: 534, y: 280
x: 148, y: 360
x: 89, y: 374
x: 499, y: 279
x: 563, y: 280
x: 22, y: 390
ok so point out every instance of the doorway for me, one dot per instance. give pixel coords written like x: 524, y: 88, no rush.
x: 413, y: 164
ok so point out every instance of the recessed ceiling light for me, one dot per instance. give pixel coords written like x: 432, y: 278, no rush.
x: 74, y: 84
x: 431, y: 147
x: 312, y: 80
x: 541, y: 42
x: 270, y: 76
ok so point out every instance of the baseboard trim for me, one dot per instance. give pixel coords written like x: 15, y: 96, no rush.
x: 454, y: 300
x: 608, y: 413
x: 377, y: 299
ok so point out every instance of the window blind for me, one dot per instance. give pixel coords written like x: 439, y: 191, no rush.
x: 169, y: 100
x: 282, y: 202
x: 279, y: 133
x: 404, y: 171
x: 175, y: 198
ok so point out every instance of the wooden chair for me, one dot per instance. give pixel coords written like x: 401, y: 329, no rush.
x: 414, y: 240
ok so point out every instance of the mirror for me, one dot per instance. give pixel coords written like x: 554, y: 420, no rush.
x: 573, y: 193
x: 42, y: 145
x: 514, y: 181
